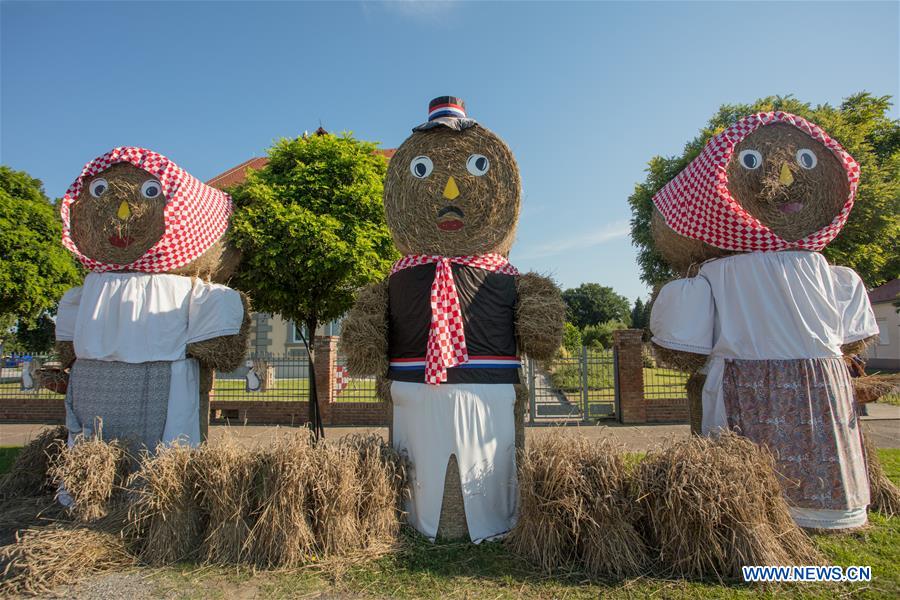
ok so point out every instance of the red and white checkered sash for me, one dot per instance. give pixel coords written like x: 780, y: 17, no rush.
x: 446, y: 338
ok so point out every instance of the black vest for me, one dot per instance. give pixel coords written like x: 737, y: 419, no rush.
x: 488, y: 302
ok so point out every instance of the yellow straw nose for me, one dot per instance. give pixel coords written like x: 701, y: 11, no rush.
x: 124, y: 212
x: 451, y: 192
x: 786, y: 178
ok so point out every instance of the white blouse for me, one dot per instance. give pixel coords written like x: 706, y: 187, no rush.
x: 141, y: 317
x: 764, y: 305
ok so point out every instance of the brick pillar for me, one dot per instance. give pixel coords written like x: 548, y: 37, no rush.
x: 325, y: 348
x: 632, y: 408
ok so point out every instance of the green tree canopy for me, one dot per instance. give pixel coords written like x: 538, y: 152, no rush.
x: 869, y: 241
x: 640, y: 314
x: 592, y: 303
x: 311, y: 228
x: 35, y: 269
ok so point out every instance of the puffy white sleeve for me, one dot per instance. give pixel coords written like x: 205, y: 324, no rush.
x: 215, y: 310
x: 858, y: 318
x: 683, y: 316
x: 67, y: 315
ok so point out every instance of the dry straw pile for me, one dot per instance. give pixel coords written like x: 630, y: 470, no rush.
x: 288, y: 504
x: 28, y: 475
x: 712, y: 505
x: 576, y: 511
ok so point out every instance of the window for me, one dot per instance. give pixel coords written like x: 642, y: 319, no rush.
x: 883, y: 336
x: 295, y: 336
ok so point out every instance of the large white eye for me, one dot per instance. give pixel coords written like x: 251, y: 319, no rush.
x: 750, y: 159
x: 98, y: 187
x: 421, y: 167
x: 806, y: 158
x: 151, y: 189
x: 478, y: 164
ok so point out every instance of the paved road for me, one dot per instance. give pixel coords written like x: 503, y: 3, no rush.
x: 883, y: 425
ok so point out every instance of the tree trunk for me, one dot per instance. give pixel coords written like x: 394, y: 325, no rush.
x: 315, y: 417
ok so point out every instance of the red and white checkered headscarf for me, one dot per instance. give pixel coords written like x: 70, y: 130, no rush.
x: 196, y: 215
x: 697, y: 203
x: 446, y: 336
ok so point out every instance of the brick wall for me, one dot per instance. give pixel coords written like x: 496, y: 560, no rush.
x: 667, y: 410
x: 632, y: 406
x: 32, y: 410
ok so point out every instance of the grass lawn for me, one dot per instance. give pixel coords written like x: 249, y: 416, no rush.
x: 423, y: 570
x: 7, y: 456
x: 292, y: 389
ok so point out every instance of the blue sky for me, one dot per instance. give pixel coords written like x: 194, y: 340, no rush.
x: 584, y: 93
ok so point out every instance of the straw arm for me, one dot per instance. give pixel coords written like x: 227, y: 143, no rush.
x: 540, y: 316
x: 66, y: 353
x: 857, y: 347
x: 227, y: 352
x: 364, y: 332
x: 689, y: 362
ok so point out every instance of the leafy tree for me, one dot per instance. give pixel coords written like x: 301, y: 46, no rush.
x: 571, y: 338
x: 311, y: 228
x: 640, y: 314
x: 601, y: 335
x: 35, y: 269
x: 869, y: 241
x: 592, y: 303
x: 35, y: 337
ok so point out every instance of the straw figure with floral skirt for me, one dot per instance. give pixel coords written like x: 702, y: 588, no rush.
x: 148, y: 321
x: 761, y: 319
x: 448, y: 327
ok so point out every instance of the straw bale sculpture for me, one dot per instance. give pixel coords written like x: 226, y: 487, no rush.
x: 147, y: 324
x: 449, y: 324
x: 760, y: 318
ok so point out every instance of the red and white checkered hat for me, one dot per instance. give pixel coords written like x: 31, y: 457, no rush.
x: 697, y: 203
x: 196, y: 215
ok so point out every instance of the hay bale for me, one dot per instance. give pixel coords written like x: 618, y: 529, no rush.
x: 334, y: 496
x: 364, y: 333
x: 43, y: 558
x: 224, y: 477
x: 694, y: 390
x: 452, y: 523
x: 282, y: 535
x: 873, y: 387
x: 822, y: 191
x: 609, y: 544
x: 686, y: 362
x: 164, y: 520
x: 225, y: 353
x: 576, y: 510
x: 381, y: 473
x: 540, y: 316
x: 885, y: 495
x: 680, y: 252
x: 711, y: 506
x: 490, y: 203
x: 28, y: 475
x: 92, y: 472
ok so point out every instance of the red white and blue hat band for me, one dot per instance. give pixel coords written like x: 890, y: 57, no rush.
x: 448, y: 109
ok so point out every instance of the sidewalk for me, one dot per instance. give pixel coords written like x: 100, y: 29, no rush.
x: 882, y: 425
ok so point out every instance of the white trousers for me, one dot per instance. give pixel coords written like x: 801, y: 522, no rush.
x: 475, y: 422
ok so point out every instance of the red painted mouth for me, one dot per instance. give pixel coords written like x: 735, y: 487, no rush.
x: 120, y: 242
x: 450, y: 225
x: 791, y: 207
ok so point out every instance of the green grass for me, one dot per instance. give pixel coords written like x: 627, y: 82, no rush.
x: 291, y: 389
x: 893, y: 399
x: 423, y: 570
x: 7, y: 457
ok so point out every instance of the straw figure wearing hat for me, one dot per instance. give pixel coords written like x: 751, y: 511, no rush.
x: 147, y: 322
x: 449, y: 325
x: 761, y: 320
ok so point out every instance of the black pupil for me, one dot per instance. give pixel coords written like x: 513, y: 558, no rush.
x: 807, y: 160
x: 99, y: 189
x: 420, y: 169
x: 750, y: 161
x: 481, y: 163
x: 152, y: 191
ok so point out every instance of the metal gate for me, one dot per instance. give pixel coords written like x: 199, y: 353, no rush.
x: 578, y: 387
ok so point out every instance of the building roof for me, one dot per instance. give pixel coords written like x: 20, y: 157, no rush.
x: 238, y: 174
x: 888, y: 292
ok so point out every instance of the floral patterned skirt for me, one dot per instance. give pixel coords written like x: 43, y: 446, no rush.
x: 803, y: 410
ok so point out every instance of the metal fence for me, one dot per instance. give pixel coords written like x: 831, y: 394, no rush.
x: 286, y: 379
x: 14, y: 379
x: 572, y: 387
x: 352, y: 389
x: 661, y: 383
